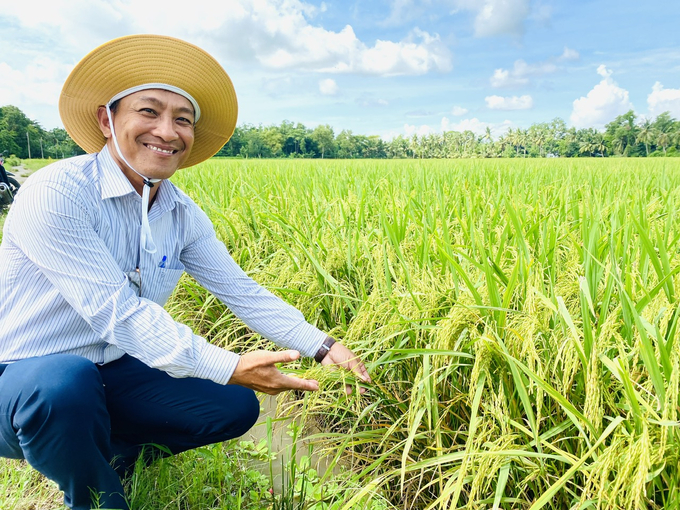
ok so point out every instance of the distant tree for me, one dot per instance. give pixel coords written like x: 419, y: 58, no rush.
x: 324, y: 138
x: 347, y: 145
x: 621, y: 133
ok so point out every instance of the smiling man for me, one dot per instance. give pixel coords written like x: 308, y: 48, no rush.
x: 92, y: 367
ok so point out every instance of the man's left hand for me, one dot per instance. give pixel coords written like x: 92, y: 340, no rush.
x: 341, y: 356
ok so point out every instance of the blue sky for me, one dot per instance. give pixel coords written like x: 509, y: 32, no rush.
x: 385, y: 67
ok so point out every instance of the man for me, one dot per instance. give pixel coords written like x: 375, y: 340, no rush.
x: 92, y: 366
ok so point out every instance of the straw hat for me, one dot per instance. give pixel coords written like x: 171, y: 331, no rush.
x: 135, y: 60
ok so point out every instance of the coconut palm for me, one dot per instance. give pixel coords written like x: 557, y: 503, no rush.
x: 646, y: 134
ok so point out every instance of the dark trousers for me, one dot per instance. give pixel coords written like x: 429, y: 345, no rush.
x: 82, y: 425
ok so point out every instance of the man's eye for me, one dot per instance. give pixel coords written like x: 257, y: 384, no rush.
x: 148, y: 110
x: 184, y: 120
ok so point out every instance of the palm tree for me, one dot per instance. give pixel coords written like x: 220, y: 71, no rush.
x: 646, y: 134
x: 664, y: 140
x: 600, y: 144
x: 587, y: 146
x: 514, y: 139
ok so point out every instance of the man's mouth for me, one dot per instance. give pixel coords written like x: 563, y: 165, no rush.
x: 158, y: 149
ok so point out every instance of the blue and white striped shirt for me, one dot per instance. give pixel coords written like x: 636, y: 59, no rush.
x: 69, y: 241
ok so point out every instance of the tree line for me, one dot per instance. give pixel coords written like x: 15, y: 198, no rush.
x: 626, y: 135
x: 25, y: 138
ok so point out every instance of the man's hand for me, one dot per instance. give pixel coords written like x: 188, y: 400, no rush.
x: 343, y: 357
x: 256, y: 370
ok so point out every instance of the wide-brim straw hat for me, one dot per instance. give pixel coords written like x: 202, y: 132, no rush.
x: 134, y: 60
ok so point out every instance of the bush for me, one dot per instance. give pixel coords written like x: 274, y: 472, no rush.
x: 12, y: 161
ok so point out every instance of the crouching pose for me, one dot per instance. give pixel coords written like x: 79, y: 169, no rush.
x: 91, y: 365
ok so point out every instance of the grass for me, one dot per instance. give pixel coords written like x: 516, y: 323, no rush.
x: 519, y: 319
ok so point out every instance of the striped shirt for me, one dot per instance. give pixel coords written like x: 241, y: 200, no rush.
x: 70, y: 241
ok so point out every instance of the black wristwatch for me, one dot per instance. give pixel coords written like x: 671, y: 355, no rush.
x: 323, y: 350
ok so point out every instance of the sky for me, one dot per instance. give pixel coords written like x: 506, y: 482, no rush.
x: 385, y: 67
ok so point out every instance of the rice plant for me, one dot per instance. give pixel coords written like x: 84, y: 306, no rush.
x: 519, y: 319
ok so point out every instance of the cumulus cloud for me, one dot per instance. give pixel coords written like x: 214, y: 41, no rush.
x: 569, y: 54
x: 603, y: 103
x: 491, y: 17
x: 422, y: 130
x: 497, y: 17
x: 509, y: 103
x: 459, y: 111
x: 36, y: 88
x: 328, y: 87
x: 663, y: 100
x: 522, y: 71
x: 475, y: 125
x: 280, y: 34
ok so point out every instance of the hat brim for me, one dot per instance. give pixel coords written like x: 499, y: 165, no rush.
x: 139, y: 59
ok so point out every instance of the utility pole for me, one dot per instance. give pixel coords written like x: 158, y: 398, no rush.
x: 42, y: 154
x: 29, y: 145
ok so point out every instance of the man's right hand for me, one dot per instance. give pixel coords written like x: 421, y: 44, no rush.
x: 256, y: 370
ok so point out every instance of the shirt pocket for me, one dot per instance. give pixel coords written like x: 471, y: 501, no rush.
x: 162, y: 283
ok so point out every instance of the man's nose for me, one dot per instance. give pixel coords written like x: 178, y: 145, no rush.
x: 165, y: 128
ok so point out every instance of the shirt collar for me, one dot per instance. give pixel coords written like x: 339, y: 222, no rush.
x: 114, y: 183
x: 112, y: 179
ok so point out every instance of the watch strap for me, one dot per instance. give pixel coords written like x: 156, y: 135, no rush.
x: 323, y: 350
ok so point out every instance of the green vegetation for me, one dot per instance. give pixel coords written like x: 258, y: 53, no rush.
x: 626, y: 135
x: 519, y: 319
x: 25, y: 138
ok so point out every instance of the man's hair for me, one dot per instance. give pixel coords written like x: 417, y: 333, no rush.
x: 114, y: 106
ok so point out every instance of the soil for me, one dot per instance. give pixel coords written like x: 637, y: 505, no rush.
x: 20, y: 173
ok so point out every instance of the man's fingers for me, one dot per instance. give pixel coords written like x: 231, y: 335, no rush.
x: 356, y: 366
x: 295, y: 383
x: 271, y: 358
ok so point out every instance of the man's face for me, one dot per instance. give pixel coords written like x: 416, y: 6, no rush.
x: 155, y: 132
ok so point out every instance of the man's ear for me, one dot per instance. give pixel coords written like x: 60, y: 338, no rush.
x: 104, y: 121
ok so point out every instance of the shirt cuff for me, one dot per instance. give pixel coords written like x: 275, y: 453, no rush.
x: 310, y: 341
x: 216, y: 364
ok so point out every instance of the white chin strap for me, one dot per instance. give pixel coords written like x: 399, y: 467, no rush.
x: 145, y: 239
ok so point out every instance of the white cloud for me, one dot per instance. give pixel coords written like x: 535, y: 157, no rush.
x: 664, y: 100
x: 504, y: 78
x: 497, y: 17
x: 402, y: 11
x: 603, y: 71
x: 328, y: 87
x: 509, y: 103
x: 475, y: 125
x: 418, y: 130
x: 602, y: 104
x: 521, y: 73
x: 569, y: 54
x: 491, y: 17
x: 419, y: 53
x: 459, y: 111
x: 35, y: 89
x: 280, y: 34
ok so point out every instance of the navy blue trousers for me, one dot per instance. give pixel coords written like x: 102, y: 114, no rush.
x: 83, y: 425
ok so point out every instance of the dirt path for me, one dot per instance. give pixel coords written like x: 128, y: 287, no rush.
x: 20, y: 173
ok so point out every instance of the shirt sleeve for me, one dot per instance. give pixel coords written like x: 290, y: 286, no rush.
x: 207, y: 259
x: 55, y: 229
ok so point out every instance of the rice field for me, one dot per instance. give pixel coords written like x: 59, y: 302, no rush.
x: 519, y: 319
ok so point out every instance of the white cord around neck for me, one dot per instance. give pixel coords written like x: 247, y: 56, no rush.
x: 145, y: 239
